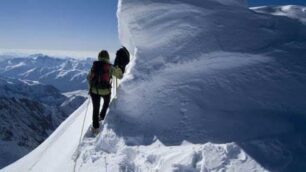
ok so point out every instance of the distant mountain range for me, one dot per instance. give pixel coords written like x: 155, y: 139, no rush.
x: 66, y: 74
x: 37, y: 93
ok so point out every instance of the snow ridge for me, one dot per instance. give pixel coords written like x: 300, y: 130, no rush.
x: 213, y: 87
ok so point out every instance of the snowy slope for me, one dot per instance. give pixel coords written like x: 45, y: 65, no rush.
x: 65, y: 74
x: 55, y: 154
x: 59, y: 152
x: 29, y: 112
x: 213, y: 86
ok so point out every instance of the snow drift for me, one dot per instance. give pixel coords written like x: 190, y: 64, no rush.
x: 292, y: 11
x: 210, y: 72
x: 213, y: 86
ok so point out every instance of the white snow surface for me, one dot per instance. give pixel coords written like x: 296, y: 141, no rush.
x: 292, y: 11
x: 212, y: 86
x: 108, y: 152
x: 53, y: 154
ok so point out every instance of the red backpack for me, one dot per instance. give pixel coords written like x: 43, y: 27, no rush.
x: 100, y: 75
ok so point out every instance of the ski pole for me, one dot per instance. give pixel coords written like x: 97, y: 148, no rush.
x: 80, y: 139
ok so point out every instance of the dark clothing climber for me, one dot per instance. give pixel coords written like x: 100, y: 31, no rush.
x: 99, y: 80
x: 96, y: 99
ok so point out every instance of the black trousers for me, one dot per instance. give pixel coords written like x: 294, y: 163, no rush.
x: 96, y: 99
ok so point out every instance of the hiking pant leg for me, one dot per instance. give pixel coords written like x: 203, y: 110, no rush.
x: 96, y: 108
x: 106, y: 100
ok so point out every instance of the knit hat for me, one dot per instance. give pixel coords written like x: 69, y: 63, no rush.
x: 103, y: 55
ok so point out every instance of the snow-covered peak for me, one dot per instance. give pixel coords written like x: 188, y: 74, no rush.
x: 65, y: 74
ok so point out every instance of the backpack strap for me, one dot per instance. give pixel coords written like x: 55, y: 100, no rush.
x: 91, y: 77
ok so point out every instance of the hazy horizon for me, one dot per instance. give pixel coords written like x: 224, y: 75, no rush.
x: 53, y: 53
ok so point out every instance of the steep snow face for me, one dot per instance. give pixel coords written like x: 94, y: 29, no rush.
x: 201, y: 27
x: 210, y: 72
x: 29, y: 112
x: 65, y: 74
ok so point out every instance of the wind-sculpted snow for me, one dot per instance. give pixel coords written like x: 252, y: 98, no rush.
x: 212, y: 86
x: 291, y: 11
x: 65, y: 74
x: 214, y: 73
x: 181, y: 35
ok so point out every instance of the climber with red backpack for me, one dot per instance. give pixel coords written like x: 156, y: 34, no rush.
x: 100, y: 78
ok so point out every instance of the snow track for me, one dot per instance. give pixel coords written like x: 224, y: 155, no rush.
x: 108, y: 152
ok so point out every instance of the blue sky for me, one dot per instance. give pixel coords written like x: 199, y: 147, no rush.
x: 75, y: 25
